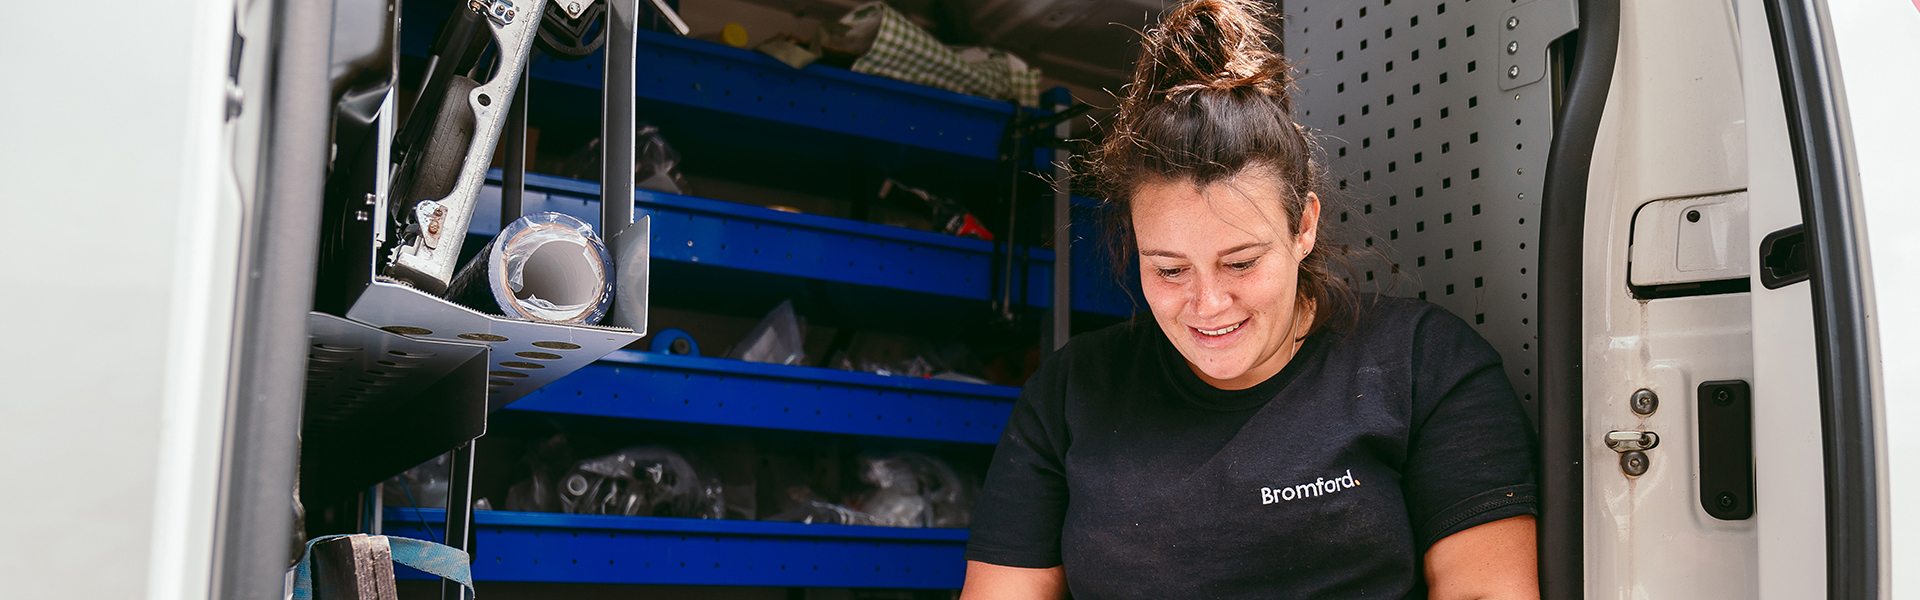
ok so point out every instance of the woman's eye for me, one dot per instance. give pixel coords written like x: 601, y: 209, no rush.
x: 1240, y: 266
x: 1171, y: 273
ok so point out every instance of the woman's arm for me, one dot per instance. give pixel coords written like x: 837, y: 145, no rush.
x: 1490, y: 561
x: 994, y: 582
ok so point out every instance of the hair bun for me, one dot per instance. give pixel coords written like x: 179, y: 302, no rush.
x: 1211, y: 45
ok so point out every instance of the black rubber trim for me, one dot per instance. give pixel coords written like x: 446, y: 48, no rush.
x: 1697, y: 288
x: 1563, y: 206
x: 253, y: 541
x: 1810, y: 87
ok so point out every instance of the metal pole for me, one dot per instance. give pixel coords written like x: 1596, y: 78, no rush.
x: 1062, y: 221
x: 459, y: 512
x: 616, y: 137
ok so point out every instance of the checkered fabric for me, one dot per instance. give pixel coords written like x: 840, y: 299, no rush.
x: 904, y: 51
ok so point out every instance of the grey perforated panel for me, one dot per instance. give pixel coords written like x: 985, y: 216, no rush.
x: 1436, y: 166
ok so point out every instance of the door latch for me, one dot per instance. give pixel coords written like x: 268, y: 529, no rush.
x: 1633, y: 447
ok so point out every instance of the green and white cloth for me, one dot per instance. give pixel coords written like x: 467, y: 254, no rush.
x: 901, y: 50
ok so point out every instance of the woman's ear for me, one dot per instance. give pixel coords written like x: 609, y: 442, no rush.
x: 1309, y: 226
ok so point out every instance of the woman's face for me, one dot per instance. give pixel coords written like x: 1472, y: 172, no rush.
x: 1220, y: 269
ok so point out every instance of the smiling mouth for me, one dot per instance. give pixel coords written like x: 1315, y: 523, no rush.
x: 1221, y: 331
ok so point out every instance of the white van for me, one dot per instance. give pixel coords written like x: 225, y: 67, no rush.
x: 1687, y: 224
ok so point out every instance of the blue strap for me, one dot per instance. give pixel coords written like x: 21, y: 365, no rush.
x: 438, y: 559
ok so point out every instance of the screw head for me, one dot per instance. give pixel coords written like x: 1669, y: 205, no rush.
x: 1513, y: 22
x: 1513, y: 47
x: 1645, y: 402
x: 1723, y: 397
x: 1634, y: 463
x: 1513, y: 71
x: 1725, y: 500
x: 1693, y: 216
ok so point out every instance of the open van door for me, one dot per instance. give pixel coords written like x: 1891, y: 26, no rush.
x: 1647, y: 207
x: 1730, y: 439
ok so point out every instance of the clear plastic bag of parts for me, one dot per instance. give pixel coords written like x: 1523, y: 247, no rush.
x: 656, y: 165
x: 641, y: 481
x: 424, y: 486
x: 780, y: 338
x: 544, y: 461
x: 909, y: 489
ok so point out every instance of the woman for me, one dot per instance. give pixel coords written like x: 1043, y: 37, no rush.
x: 1276, y: 435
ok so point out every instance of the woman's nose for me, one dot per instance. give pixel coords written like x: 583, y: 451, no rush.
x: 1210, y: 296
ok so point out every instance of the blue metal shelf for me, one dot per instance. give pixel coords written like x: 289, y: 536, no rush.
x: 716, y: 391
x: 561, y: 548
x: 699, y: 231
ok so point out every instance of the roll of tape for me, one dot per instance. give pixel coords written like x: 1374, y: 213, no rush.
x: 546, y: 267
x: 674, y: 341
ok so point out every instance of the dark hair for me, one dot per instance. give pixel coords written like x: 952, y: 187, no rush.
x: 1208, y: 102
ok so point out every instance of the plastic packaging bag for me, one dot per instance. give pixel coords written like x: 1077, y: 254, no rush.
x: 641, y: 481
x: 915, y: 490
x: 426, y: 484
x: 777, y: 339
x: 656, y: 165
x: 536, y: 492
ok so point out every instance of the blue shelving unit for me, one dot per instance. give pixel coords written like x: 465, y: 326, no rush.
x: 713, y: 233
x: 688, y: 389
x: 560, y: 548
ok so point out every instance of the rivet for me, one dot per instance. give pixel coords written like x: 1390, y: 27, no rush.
x: 1512, y: 72
x: 1513, y: 47
x: 1513, y: 22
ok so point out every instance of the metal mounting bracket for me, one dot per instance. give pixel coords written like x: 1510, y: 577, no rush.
x: 1525, y: 31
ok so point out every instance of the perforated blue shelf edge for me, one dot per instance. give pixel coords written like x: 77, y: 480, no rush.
x: 546, y: 547
x: 716, y: 391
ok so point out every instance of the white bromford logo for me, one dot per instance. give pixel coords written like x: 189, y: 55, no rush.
x: 1320, y: 486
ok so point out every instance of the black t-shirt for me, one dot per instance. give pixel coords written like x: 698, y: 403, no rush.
x: 1329, y: 480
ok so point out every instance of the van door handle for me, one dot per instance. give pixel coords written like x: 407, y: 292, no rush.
x: 1783, y: 257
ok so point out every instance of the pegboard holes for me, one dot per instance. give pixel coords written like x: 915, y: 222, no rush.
x: 1419, y: 192
x: 1363, y: 12
x: 1448, y: 255
x: 1446, y: 147
x: 1413, y: 22
x: 1369, y: 275
x: 1473, y: 138
x: 1480, y: 318
x: 1389, y: 66
x: 1416, y: 89
x: 1443, y: 77
x: 1476, y: 245
x: 1340, y: 88
x: 1479, y: 282
x: 1418, y: 156
x: 1443, y: 112
x: 1366, y: 176
x: 1446, y: 218
x: 1363, y: 44
x: 1476, y: 207
x: 1339, y: 56
x: 1449, y: 289
x: 1393, y: 234
x: 1475, y: 175
x: 1343, y: 217
x: 1419, y: 226
x: 1392, y: 166
x: 1469, y: 31
x: 1342, y: 119
x: 1473, y: 66
x: 1446, y: 183
x: 1364, y: 143
x: 1443, y: 43
x: 1440, y: 9
x: 1363, y: 77
x: 1343, y: 151
x: 1420, y: 262
x: 1416, y: 125
x: 1389, y: 33
x: 1393, y: 200
x: 1473, y: 101
x: 1368, y: 209
x: 1339, y: 23
x: 1416, y: 55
